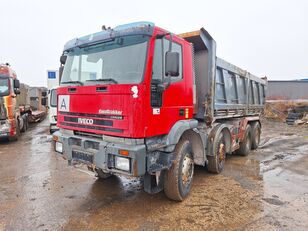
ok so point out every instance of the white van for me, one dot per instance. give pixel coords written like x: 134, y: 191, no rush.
x: 52, y: 115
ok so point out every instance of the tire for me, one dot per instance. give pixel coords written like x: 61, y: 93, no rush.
x: 245, y: 145
x: 255, y: 135
x: 216, y: 163
x: 102, y: 175
x: 24, y: 126
x: 179, y: 177
x: 27, y: 123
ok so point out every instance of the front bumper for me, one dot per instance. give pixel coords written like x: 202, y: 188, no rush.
x: 111, y: 157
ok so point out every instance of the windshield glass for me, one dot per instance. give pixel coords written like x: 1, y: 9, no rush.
x: 4, y: 86
x: 120, y: 60
x: 53, y: 98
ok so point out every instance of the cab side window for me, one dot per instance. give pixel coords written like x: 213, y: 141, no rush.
x: 159, y: 59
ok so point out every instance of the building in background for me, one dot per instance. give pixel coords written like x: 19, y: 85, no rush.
x: 287, y: 90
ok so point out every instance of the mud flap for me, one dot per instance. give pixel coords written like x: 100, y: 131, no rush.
x: 150, y: 183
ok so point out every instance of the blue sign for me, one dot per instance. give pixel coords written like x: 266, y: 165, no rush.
x: 51, y: 74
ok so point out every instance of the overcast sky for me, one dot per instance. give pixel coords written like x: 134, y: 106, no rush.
x: 265, y: 37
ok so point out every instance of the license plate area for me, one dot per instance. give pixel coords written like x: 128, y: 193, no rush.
x: 82, y: 156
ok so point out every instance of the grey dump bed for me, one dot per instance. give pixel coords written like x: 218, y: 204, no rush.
x: 222, y: 90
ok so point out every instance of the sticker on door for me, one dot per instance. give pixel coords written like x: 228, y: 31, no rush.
x: 156, y: 111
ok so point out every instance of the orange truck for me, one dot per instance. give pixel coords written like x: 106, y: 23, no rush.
x: 15, y: 105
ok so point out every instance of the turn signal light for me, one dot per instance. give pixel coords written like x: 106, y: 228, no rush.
x: 123, y: 152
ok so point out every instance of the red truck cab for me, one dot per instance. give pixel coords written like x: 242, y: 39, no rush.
x: 122, y: 102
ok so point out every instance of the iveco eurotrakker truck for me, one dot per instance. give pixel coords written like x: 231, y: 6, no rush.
x: 141, y: 101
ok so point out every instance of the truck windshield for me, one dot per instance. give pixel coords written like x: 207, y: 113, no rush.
x: 118, y: 61
x: 53, y: 98
x: 4, y: 87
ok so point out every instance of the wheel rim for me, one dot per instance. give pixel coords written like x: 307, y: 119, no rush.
x: 187, y: 170
x: 221, y: 155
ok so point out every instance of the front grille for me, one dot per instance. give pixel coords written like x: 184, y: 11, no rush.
x: 95, y: 121
x: 91, y: 121
x: 114, y: 117
x: 91, y: 127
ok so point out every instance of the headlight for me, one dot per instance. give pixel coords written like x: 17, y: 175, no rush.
x: 59, y: 147
x: 122, y: 163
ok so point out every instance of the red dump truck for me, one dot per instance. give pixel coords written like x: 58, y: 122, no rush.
x: 140, y: 101
x: 19, y: 104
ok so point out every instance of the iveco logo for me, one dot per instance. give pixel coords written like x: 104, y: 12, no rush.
x: 85, y: 121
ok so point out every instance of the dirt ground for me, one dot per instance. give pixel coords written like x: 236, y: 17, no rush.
x: 268, y: 190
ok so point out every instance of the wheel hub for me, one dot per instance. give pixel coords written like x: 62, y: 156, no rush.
x: 221, y: 152
x: 187, y: 169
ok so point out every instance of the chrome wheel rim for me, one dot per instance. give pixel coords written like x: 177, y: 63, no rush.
x: 187, y: 169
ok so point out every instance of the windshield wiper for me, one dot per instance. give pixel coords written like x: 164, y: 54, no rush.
x: 76, y: 81
x: 102, y: 80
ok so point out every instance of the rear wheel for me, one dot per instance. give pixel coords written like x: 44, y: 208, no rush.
x: 216, y: 163
x: 27, y: 122
x: 245, y: 145
x: 255, y: 135
x: 24, y: 124
x: 179, y: 177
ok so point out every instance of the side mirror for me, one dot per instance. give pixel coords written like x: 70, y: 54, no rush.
x: 16, y: 91
x: 16, y: 83
x: 172, y: 64
x: 63, y: 59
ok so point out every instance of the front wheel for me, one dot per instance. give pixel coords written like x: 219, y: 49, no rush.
x: 179, y: 177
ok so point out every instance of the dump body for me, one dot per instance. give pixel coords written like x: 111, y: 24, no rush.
x: 223, y: 90
x: 237, y: 92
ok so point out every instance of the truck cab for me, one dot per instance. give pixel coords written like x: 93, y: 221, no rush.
x: 121, y: 81
x: 10, y: 118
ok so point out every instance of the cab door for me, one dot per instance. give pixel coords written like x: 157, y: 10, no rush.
x: 169, y: 100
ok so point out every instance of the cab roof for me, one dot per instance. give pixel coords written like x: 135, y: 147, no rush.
x: 142, y: 28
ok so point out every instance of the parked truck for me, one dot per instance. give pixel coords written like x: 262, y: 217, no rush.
x: 140, y: 101
x: 19, y: 104
x: 52, y: 84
